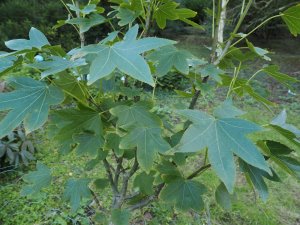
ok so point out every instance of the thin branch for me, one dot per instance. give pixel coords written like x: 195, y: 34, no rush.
x: 110, y: 176
x: 118, y: 170
x: 199, y: 171
x: 142, y: 203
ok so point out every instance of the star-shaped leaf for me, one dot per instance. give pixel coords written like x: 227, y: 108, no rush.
x: 166, y: 11
x: 126, y: 16
x: 291, y: 17
x: 148, y: 141
x: 212, y: 71
x: 39, y: 179
x: 85, y: 24
x: 223, y: 137
x: 184, y: 194
x: 29, y: 102
x: 133, y: 116
x: 86, y: 10
x: 144, y: 132
x: 70, y: 122
x: 75, y: 190
x: 89, y: 143
x: 56, y: 64
x: 125, y: 56
x: 73, y: 87
x: 36, y: 40
x: 169, y: 57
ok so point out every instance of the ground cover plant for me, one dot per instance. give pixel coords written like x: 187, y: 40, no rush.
x: 98, y: 108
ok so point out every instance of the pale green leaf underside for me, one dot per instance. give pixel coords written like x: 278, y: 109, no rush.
x: 125, y: 56
x: 56, y: 65
x: 36, y: 40
x: 29, y: 102
x: 223, y: 138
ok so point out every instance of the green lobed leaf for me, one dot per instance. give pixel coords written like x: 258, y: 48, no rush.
x: 85, y: 24
x: 39, y: 179
x: 166, y: 11
x: 70, y: 122
x: 73, y: 87
x: 258, y: 51
x: 148, y: 141
x: 134, y: 116
x: 256, y: 177
x: 223, y: 197
x: 169, y: 57
x: 227, y: 110
x: 126, y: 16
x: 29, y: 102
x: 291, y: 17
x: 223, y: 137
x: 184, y: 194
x: 36, y: 40
x: 120, y: 217
x: 6, y: 62
x: 85, y: 10
x: 273, y: 71
x: 124, y: 55
x: 144, y: 132
x: 212, y: 71
x: 88, y: 143
x: 75, y: 191
x: 144, y: 182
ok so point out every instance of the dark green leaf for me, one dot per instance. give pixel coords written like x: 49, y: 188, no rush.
x: 120, y: 217
x: 39, y: 179
x: 75, y: 190
x: 184, y: 194
x: 223, y: 197
x: 88, y: 143
x: 69, y: 122
x: 213, y: 71
x: 256, y: 176
x: 291, y: 17
x: 144, y: 182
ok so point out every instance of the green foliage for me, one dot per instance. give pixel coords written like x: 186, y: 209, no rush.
x: 98, y: 111
x: 38, y: 180
x: 30, y: 103
x: 76, y: 189
x: 290, y: 17
x: 227, y: 134
x: 184, y: 195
